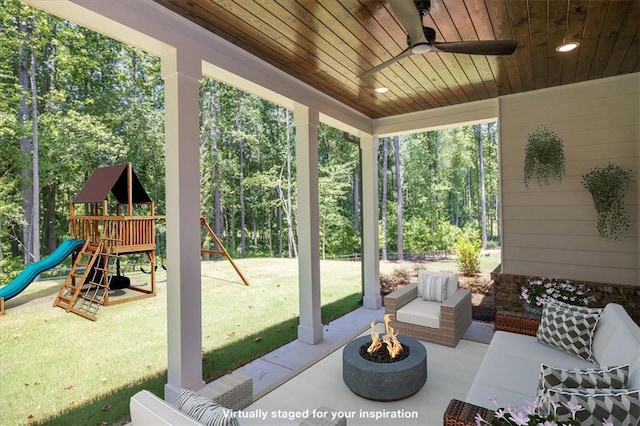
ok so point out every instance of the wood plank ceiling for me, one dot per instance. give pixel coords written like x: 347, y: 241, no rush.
x: 329, y: 43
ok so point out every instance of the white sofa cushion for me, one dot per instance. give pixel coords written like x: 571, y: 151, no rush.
x: 147, y: 409
x: 511, y: 367
x: 528, y: 347
x: 617, y: 342
x: 479, y: 394
x: 420, y: 312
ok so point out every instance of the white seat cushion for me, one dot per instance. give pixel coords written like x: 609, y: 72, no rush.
x: 479, y: 394
x: 420, y: 312
x: 528, y: 347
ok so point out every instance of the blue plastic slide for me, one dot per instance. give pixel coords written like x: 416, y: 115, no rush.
x: 26, y: 277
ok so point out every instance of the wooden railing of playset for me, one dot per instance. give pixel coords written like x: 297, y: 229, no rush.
x: 136, y: 233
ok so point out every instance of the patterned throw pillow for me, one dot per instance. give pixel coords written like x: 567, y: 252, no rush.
x: 567, y: 330
x: 204, y: 410
x: 620, y: 407
x: 575, y: 308
x: 602, y: 378
x: 435, y: 288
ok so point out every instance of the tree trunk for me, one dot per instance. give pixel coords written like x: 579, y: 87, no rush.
x: 396, y: 148
x: 1, y: 252
x: 241, y: 175
x: 293, y: 250
x: 356, y: 200
x: 26, y: 173
x: 477, y: 131
x: 385, y: 167
x: 279, y: 219
x: 35, y: 212
x: 50, y: 219
x: 215, y: 170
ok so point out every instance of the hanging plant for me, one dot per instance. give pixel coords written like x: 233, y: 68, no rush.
x: 607, y: 186
x: 543, y: 157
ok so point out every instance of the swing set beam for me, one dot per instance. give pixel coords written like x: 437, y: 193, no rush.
x: 222, y: 251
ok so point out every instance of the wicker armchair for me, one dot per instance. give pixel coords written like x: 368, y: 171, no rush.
x: 454, y: 314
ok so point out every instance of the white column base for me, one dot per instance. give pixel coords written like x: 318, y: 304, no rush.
x: 372, y: 302
x: 310, y: 335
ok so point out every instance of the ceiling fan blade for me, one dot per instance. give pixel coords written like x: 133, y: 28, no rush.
x: 410, y: 19
x: 478, y: 47
x: 404, y: 54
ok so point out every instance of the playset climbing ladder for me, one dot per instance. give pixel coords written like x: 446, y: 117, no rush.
x: 87, y: 284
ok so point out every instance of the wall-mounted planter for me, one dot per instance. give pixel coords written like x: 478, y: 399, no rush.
x: 543, y: 157
x: 607, y: 186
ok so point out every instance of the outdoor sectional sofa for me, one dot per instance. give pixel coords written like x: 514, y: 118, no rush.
x: 510, y: 370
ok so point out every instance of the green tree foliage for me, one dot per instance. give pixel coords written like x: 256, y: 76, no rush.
x: 100, y: 103
x: 441, y: 188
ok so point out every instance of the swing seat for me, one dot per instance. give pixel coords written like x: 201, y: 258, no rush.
x: 118, y: 282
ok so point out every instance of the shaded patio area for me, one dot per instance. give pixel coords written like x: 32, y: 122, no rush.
x: 292, y: 381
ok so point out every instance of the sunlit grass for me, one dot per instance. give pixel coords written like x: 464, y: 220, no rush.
x: 52, y: 361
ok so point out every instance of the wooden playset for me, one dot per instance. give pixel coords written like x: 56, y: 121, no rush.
x: 110, y: 229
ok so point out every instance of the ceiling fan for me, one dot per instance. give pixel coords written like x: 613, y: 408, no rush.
x: 421, y: 39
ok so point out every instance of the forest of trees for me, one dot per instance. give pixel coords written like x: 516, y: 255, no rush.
x: 73, y: 100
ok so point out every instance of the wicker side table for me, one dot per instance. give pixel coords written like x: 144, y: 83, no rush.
x: 460, y: 413
x: 324, y: 416
x: 517, y: 322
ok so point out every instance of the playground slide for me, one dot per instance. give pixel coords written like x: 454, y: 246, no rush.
x: 22, y: 281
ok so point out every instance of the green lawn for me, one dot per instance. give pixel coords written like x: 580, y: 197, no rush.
x: 59, y: 368
x: 52, y: 361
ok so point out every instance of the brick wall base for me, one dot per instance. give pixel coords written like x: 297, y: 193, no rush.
x: 507, y: 289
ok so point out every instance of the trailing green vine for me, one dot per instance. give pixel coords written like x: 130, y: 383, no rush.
x: 543, y: 157
x: 607, y: 186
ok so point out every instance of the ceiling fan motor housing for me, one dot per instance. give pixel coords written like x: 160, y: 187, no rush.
x: 423, y: 6
x: 429, y: 34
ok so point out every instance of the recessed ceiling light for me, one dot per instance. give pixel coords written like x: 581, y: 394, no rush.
x: 567, y: 47
x: 381, y: 89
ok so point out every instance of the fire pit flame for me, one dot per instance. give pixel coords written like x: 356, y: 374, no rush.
x: 390, y: 339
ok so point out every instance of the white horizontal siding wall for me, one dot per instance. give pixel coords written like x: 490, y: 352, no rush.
x: 551, y: 231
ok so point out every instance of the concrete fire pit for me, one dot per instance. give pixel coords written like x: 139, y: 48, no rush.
x: 384, y: 381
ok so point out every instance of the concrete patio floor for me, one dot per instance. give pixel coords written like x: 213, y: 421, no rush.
x: 298, y: 377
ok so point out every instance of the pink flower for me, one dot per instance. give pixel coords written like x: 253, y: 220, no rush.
x: 531, y: 407
x: 520, y: 419
x: 574, y: 408
x: 500, y: 414
x: 480, y: 420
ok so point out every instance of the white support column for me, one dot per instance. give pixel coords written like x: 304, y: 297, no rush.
x: 181, y: 73
x: 307, y: 217
x: 370, y: 251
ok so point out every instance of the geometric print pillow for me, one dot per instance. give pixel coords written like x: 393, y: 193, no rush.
x: 602, y: 378
x: 619, y: 407
x: 567, y: 330
x: 576, y: 308
x: 204, y: 410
